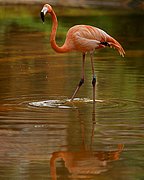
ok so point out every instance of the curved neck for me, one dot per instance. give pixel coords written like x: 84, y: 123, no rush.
x: 54, y: 45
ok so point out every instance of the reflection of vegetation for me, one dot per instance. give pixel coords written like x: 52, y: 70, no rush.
x: 17, y: 15
x: 29, y: 18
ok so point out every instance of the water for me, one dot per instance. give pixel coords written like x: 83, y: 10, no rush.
x: 40, y: 130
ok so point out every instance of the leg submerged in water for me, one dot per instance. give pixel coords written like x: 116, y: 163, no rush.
x: 94, y: 83
x: 94, y: 77
x: 82, y: 79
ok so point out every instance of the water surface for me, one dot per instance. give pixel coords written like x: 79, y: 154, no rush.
x: 42, y: 134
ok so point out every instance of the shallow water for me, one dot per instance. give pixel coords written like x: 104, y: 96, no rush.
x: 40, y: 129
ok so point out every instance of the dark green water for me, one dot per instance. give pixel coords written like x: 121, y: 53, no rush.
x: 40, y: 129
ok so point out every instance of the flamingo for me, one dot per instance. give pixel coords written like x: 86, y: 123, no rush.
x: 82, y: 38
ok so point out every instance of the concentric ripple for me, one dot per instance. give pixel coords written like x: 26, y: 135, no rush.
x: 118, y: 105
x: 27, y: 103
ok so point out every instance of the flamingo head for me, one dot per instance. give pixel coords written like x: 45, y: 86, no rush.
x: 46, y: 9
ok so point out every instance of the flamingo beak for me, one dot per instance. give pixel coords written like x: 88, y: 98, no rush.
x: 43, y: 13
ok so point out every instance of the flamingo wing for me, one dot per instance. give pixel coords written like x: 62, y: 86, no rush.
x: 88, y: 38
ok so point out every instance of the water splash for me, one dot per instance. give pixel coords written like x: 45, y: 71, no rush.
x: 63, y: 104
x: 50, y: 104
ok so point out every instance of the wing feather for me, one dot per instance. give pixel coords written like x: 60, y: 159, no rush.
x: 86, y: 38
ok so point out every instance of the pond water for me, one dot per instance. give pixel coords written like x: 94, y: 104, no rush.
x: 42, y: 134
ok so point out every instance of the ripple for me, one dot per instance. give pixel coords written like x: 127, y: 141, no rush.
x: 122, y: 105
x: 119, y: 105
x: 34, y: 103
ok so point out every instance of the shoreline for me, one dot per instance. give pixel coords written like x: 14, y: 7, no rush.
x: 73, y: 3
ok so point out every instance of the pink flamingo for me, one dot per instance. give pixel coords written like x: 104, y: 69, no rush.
x: 83, y: 38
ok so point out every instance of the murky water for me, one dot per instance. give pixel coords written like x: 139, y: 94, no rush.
x: 42, y: 134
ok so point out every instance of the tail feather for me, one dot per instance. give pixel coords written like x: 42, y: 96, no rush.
x: 115, y: 44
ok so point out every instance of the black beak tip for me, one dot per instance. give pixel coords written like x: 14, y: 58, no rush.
x: 42, y: 16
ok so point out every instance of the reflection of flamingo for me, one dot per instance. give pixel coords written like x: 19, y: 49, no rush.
x: 85, y: 162
x: 81, y: 38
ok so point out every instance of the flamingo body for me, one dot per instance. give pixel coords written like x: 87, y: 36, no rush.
x: 85, y: 38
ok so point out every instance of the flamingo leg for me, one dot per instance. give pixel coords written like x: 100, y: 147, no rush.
x: 82, y: 78
x: 94, y: 77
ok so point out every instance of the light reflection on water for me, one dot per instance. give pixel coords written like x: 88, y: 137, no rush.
x: 38, y: 124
